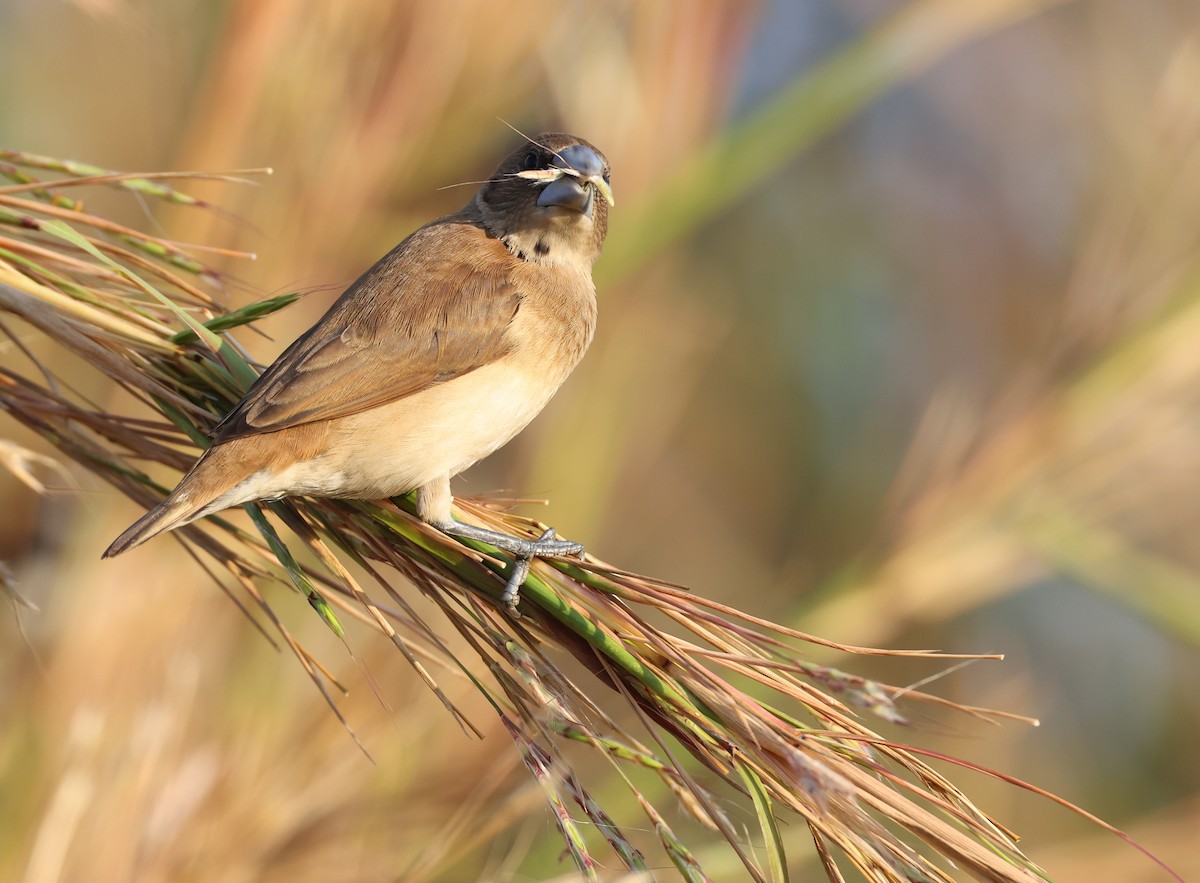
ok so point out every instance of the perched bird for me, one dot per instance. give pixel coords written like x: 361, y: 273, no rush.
x: 433, y: 359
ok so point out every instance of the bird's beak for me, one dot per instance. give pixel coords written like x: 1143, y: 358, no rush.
x: 580, y: 178
x: 603, y: 186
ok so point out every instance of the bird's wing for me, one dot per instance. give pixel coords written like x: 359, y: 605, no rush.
x: 436, y: 307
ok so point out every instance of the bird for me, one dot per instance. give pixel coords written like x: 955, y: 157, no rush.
x: 434, y: 358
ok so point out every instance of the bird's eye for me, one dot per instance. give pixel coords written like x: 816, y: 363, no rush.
x: 531, y: 161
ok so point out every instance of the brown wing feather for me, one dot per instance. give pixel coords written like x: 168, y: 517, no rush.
x: 436, y: 307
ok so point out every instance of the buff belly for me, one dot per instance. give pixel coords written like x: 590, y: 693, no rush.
x: 401, y: 446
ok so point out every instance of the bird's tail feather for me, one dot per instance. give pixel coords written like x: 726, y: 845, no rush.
x: 168, y: 514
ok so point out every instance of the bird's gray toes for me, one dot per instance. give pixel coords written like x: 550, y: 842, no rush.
x: 556, y: 547
x: 548, y: 544
x: 512, y: 589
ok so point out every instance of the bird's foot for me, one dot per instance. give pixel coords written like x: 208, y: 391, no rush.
x: 522, y: 550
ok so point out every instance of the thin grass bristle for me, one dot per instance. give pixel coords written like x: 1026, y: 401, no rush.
x: 724, y: 701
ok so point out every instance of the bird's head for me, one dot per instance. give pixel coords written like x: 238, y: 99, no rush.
x: 549, y: 200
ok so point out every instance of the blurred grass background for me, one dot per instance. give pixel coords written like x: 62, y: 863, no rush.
x: 900, y: 302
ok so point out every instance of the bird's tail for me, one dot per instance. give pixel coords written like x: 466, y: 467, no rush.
x: 208, y: 487
x: 170, y: 513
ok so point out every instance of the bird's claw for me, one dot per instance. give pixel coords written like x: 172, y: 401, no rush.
x: 545, y: 546
x: 523, y: 551
x: 512, y: 589
x: 548, y: 545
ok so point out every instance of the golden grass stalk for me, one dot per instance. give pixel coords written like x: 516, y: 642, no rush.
x: 722, y: 707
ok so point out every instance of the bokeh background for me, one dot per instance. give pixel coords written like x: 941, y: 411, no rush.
x: 899, y: 344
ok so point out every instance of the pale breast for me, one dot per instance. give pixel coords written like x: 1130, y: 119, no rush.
x: 556, y: 319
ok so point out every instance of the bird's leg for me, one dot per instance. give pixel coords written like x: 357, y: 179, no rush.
x: 522, y: 550
x: 433, y: 507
